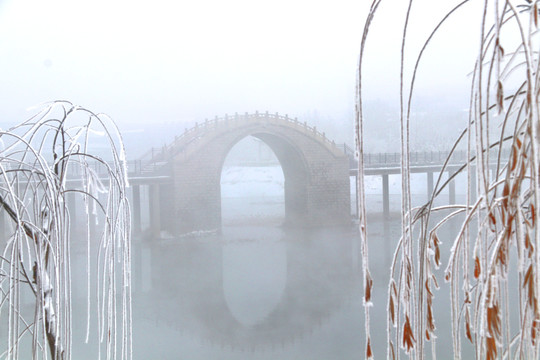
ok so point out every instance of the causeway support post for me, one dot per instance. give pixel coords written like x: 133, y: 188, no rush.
x: 386, y: 196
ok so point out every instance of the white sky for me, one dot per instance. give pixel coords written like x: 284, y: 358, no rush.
x: 160, y: 60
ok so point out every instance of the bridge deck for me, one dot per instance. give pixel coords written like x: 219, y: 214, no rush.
x: 155, y: 175
x: 141, y: 173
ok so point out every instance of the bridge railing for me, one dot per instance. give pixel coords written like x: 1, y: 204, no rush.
x: 200, y: 129
x: 212, y: 124
x: 134, y: 168
x: 418, y: 158
x: 139, y: 167
x: 156, y: 157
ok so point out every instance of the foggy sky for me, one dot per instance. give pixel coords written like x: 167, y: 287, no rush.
x: 183, y: 61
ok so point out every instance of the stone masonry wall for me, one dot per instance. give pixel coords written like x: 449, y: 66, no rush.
x: 318, y: 173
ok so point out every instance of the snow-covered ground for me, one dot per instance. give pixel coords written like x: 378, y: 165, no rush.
x: 252, y: 194
x: 418, y: 184
x: 261, y: 181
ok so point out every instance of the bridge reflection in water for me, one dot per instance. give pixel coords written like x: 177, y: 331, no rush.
x: 260, y: 290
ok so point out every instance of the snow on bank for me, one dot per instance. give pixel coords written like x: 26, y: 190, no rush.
x: 418, y: 184
x: 267, y: 181
x: 252, y: 181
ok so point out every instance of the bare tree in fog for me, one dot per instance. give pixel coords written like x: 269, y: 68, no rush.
x: 43, y: 160
x: 493, y: 265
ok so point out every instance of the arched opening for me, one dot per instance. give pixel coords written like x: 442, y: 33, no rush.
x: 252, y: 185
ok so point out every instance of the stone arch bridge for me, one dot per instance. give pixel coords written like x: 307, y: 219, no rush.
x: 316, y: 172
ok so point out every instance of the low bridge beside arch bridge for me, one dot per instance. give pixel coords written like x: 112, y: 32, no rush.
x: 183, y: 178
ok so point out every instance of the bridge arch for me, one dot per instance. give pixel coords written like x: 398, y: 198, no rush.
x: 294, y: 166
x: 316, y: 172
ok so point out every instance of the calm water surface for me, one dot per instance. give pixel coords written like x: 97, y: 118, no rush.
x: 257, y: 290
x: 250, y: 293
x: 262, y: 291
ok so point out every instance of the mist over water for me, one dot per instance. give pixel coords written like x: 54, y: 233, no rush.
x: 265, y: 292
x: 258, y: 290
x: 251, y: 292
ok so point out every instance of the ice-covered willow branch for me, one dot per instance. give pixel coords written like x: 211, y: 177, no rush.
x: 493, y: 263
x: 360, y: 186
x: 42, y: 161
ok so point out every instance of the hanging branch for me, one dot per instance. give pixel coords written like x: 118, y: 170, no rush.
x: 360, y: 186
x: 496, y: 247
x: 38, y: 166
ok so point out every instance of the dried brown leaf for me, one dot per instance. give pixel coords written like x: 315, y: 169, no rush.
x: 500, y: 96
x: 435, y: 239
x: 535, y: 330
x: 368, y: 287
x: 501, y: 253
x: 408, y: 273
x: 528, y: 245
x: 477, y: 269
x: 515, y: 189
x: 508, y: 231
x: 506, y: 191
x: 468, y: 329
x: 535, y: 13
x: 492, y: 222
x: 528, y: 282
x: 514, y: 159
x: 533, y: 214
x: 430, y: 321
x: 408, y: 336
x: 428, y: 289
x: 437, y: 256
x: 494, y: 321
x: 391, y: 309
x: 491, y: 348
x: 499, y: 47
